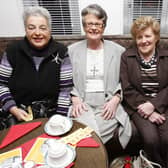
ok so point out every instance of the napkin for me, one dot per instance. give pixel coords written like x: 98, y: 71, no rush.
x: 17, y: 131
x: 87, y: 142
x: 27, y: 146
x: 70, y: 165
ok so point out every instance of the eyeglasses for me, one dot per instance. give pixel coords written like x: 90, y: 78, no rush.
x: 97, y: 25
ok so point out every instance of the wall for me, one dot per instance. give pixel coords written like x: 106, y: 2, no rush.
x: 12, y: 23
x: 11, y: 18
x: 114, y: 9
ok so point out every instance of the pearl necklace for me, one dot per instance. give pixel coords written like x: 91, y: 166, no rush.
x: 148, y: 64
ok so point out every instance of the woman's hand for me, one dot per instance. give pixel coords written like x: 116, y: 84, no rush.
x: 109, y: 108
x: 78, y: 107
x: 20, y: 114
x: 145, y: 109
x: 156, y: 118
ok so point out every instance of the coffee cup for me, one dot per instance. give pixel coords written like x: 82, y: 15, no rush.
x: 56, y: 153
x: 57, y: 123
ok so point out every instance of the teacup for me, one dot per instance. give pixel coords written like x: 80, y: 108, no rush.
x: 57, y: 153
x: 57, y: 123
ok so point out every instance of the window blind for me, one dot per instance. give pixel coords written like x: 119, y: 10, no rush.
x: 144, y: 7
x: 64, y: 14
x: 135, y: 8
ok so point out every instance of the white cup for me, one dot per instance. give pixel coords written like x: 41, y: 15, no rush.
x: 56, y: 153
x: 57, y: 123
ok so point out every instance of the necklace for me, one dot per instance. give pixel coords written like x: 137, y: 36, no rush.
x: 148, y: 64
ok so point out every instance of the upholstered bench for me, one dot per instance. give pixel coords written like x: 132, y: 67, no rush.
x: 124, y: 40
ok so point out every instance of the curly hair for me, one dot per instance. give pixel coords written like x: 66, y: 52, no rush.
x: 143, y: 22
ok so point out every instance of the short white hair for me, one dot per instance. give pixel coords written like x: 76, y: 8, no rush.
x: 37, y: 11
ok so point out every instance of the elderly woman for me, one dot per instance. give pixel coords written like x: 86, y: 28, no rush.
x: 144, y: 80
x: 97, y: 93
x: 35, y: 71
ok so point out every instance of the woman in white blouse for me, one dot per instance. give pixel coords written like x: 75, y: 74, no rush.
x: 96, y: 95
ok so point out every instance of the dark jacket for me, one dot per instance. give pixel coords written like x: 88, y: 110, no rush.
x: 130, y: 76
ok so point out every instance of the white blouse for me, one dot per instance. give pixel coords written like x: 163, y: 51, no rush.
x: 95, y: 70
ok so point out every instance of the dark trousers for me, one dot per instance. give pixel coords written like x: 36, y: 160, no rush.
x: 154, y: 138
x: 114, y: 148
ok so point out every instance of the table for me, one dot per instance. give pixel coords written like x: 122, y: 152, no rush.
x: 86, y: 157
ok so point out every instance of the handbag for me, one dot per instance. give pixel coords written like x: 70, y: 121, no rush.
x: 118, y: 162
x: 6, y: 119
x: 134, y: 162
x: 142, y: 162
x: 43, y: 108
x: 40, y: 109
x: 122, y: 162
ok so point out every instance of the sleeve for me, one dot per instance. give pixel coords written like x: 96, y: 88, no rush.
x: 159, y: 101
x: 74, y: 92
x: 71, y: 49
x: 6, y: 98
x: 118, y: 90
x: 118, y: 50
x: 66, y: 85
x: 132, y: 97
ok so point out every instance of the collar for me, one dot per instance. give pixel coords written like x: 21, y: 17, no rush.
x: 133, y: 52
x: 53, y: 47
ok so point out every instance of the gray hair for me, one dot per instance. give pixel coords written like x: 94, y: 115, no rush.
x: 96, y: 10
x: 37, y: 11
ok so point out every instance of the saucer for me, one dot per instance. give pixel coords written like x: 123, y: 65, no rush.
x: 68, y: 126
x: 43, y: 166
x: 69, y: 158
